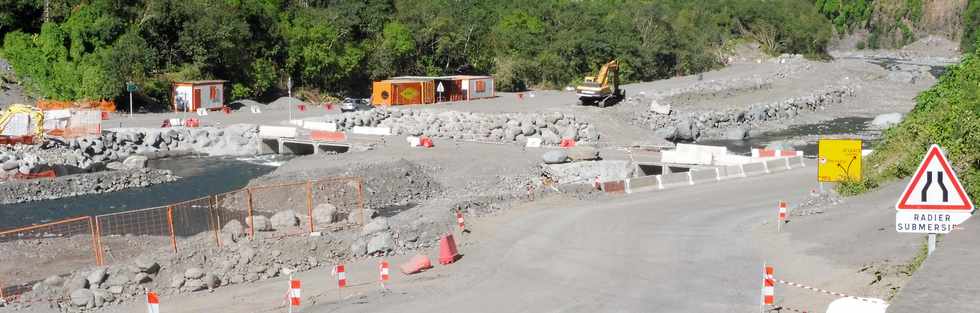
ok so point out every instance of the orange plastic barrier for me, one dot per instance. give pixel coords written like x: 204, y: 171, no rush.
x: 322, y: 135
x: 567, y: 143
x: 417, y: 264
x: 101, y: 105
x: 44, y: 174
x: 425, y: 142
x: 13, y: 140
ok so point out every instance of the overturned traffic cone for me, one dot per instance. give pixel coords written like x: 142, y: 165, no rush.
x: 447, y: 250
x: 417, y: 264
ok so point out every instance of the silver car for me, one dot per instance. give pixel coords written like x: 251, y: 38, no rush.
x: 352, y: 104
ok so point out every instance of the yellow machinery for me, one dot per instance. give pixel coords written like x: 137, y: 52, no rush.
x: 35, y: 120
x: 602, y: 89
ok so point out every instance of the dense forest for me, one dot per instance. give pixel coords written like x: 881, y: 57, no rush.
x: 88, y: 49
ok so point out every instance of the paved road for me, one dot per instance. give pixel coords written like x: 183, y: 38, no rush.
x: 948, y: 281
x: 687, y: 250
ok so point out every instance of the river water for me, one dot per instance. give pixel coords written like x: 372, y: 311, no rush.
x: 200, y: 176
x: 840, y: 126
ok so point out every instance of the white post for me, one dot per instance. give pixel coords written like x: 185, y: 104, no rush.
x: 660, y: 183
x: 932, y: 243
x: 690, y: 178
x: 289, y: 103
x: 787, y: 164
x: 821, y: 187
x: 289, y: 295
x: 717, y: 174
x: 766, y: 166
x: 741, y: 168
x: 130, y: 104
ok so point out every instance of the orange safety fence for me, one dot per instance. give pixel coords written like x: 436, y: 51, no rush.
x: 343, y: 193
x: 125, y: 235
x: 101, y: 105
x: 199, y: 223
x: 268, y: 201
x: 232, y: 208
x: 194, y: 224
x: 29, y: 253
x: 73, y: 123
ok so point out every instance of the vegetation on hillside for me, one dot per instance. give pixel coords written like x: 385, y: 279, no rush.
x: 87, y: 49
x: 948, y: 114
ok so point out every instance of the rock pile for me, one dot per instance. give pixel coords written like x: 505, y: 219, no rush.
x: 120, y: 145
x: 551, y: 127
x: 75, y: 185
x: 100, y: 286
x: 690, y: 126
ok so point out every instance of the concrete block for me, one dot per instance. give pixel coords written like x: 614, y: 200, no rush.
x: 330, y: 127
x: 755, y: 168
x: 704, y: 175
x: 674, y: 180
x: 776, y: 165
x: 277, y: 131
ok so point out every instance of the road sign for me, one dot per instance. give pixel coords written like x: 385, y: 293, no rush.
x: 934, y: 201
x: 440, y: 88
x: 839, y: 160
x: 131, y: 87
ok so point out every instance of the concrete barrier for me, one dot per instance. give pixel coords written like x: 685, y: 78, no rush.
x: 777, y: 165
x: 277, y: 131
x: 730, y: 171
x: 324, y: 126
x: 705, y: 175
x: 378, y: 131
x: 755, y: 168
x: 676, y: 179
x: 644, y: 182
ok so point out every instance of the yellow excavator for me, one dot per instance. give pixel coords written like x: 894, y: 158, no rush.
x: 602, y: 89
x: 35, y: 119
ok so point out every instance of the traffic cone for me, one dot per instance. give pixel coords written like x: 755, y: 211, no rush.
x: 447, y: 250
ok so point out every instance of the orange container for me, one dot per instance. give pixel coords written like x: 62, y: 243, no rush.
x: 403, y: 92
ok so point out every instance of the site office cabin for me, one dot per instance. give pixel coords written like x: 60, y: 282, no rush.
x: 407, y: 90
x: 188, y: 96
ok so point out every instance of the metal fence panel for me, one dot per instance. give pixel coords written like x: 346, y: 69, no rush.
x: 28, y: 254
x: 344, y: 194
x: 126, y: 235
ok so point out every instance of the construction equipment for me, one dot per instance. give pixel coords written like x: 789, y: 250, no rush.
x: 21, y: 121
x: 602, y: 89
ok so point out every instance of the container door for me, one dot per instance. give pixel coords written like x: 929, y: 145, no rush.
x: 197, y: 100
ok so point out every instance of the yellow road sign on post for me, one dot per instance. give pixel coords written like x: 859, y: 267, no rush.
x: 839, y: 160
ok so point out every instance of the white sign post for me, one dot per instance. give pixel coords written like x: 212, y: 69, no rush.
x: 934, y: 202
x: 440, y: 89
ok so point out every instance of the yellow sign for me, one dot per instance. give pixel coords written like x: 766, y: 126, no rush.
x: 409, y: 93
x: 839, y: 160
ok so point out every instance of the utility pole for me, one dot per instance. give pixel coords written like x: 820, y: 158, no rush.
x: 289, y: 103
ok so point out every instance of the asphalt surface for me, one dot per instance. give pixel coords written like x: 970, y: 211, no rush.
x: 687, y: 250
x: 948, y: 280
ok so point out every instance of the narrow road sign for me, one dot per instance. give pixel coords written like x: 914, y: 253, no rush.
x: 934, y: 202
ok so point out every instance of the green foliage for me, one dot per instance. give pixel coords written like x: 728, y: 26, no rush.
x: 971, y: 24
x: 948, y: 114
x: 88, y: 49
x: 846, y: 15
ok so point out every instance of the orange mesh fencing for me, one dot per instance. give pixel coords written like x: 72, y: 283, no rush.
x: 27, y: 254
x: 267, y: 201
x: 194, y: 224
x: 344, y: 194
x: 101, y: 105
x: 125, y: 235
x: 231, y: 208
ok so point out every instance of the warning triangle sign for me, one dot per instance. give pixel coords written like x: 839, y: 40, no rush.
x: 935, y: 187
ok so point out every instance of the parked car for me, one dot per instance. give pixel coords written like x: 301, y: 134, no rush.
x: 352, y: 104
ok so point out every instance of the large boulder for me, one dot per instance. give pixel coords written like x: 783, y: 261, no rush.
x: 96, y: 277
x: 135, y: 161
x: 234, y: 227
x: 82, y: 298
x: 147, y: 265
x: 555, y: 157
x: 194, y: 273
x: 324, y: 213
x: 581, y: 153
x: 380, y: 243
x: 666, y: 133
x: 259, y: 223
x: 375, y: 226
x: 687, y: 130
x: 737, y: 133
x: 285, y: 218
